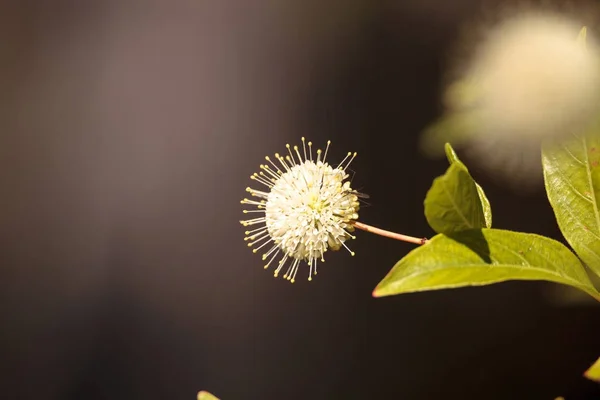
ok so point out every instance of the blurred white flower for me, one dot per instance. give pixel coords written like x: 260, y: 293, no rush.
x: 535, y: 79
x: 308, y: 207
x: 529, y: 79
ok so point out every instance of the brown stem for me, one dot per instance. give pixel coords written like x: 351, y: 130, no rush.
x: 388, y: 234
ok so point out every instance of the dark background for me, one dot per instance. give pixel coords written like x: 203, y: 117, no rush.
x: 128, y: 131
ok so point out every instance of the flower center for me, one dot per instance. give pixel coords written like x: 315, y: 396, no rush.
x: 315, y: 202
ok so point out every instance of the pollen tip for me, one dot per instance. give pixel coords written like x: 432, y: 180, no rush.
x: 309, y: 279
x: 247, y: 232
x: 254, y: 251
x: 329, y: 142
x: 245, y: 211
x: 310, y: 143
x: 302, y: 138
x: 266, y: 266
x: 352, y: 253
x: 293, y: 280
x: 275, y: 274
x: 287, y: 145
x: 249, y: 244
x: 295, y: 147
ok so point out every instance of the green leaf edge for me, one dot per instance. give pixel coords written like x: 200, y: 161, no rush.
x: 593, y: 372
x: 377, y: 292
x: 204, y: 395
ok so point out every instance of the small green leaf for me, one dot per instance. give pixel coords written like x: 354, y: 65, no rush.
x: 593, y: 373
x: 452, y: 203
x: 572, y: 179
x: 483, y: 257
x: 485, y: 203
x: 203, y: 395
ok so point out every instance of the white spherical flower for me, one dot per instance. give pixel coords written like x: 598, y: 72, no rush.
x: 308, y: 208
x: 535, y: 79
x: 530, y: 79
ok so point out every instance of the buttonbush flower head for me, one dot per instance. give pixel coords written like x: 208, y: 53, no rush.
x: 529, y: 79
x: 535, y: 79
x: 305, y: 207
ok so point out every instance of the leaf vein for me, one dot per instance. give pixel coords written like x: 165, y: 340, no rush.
x: 591, y: 183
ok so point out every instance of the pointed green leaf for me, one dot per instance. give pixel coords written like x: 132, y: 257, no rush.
x: 203, y: 395
x: 572, y: 179
x: 593, y: 373
x: 485, y: 203
x: 453, y: 202
x: 483, y: 257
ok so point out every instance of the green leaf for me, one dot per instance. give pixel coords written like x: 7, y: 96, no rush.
x: 572, y: 179
x: 203, y: 395
x: 593, y: 373
x: 453, y: 202
x: 483, y: 257
x: 485, y: 203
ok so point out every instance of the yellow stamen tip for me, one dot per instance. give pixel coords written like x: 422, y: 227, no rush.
x: 245, y: 211
x: 309, y: 279
x: 254, y: 250
x: 352, y: 253
x: 293, y: 280
x: 266, y: 266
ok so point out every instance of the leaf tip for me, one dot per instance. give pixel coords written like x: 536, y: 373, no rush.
x: 593, y: 373
x: 204, y: 395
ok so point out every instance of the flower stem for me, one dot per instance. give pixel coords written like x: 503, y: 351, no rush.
x: 388, y: 234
